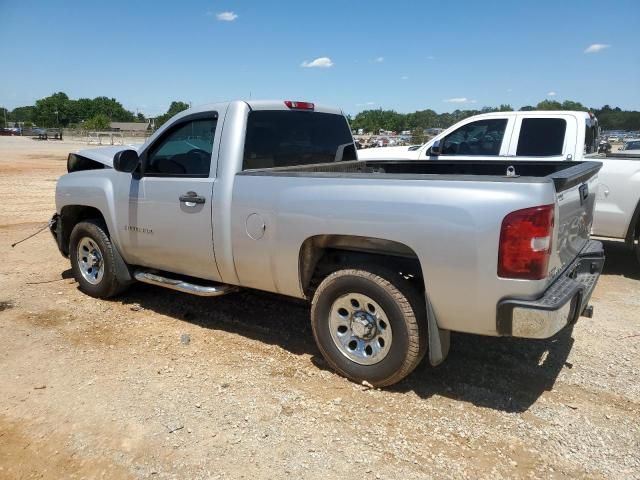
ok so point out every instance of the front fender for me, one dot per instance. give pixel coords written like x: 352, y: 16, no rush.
x: 90, y: 188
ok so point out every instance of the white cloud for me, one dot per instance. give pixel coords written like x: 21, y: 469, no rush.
x: 596, y: 47
x: 379, y: 59
x: 459, y: 100
x: 551, y: 94
x: 226, y: 16
x: 404, y: 77
x: 320, y: 62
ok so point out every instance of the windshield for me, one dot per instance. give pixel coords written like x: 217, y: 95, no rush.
x: 632, y: 145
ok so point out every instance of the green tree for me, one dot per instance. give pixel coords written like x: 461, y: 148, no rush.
x: 111, y: 108
x: 53, y: 111
x: 574, y: 106
x: 22, y: 114
x: 59, y: 110
x: 97, y: 122
x: 175, y: 108
x: 549, y: 105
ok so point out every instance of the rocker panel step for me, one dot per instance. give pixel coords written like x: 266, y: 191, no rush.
x: 184, y: 286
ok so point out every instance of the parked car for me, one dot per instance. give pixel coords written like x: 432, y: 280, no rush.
x: 544, y: 135
x: 392, y: 255
x: 631, y: 145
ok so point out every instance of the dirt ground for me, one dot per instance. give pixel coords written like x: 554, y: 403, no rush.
x: 158, y: 384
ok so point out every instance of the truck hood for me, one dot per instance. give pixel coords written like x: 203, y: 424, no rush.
x: 390, y: 153
x: 105, y: 155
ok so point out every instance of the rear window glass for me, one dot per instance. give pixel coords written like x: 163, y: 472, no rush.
x: 541, y: 137
x: 286, y: 138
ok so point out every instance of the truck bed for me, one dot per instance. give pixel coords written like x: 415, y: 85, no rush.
x: 563, y: 174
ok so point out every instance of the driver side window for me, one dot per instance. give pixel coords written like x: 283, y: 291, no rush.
x: 483, y: 137
x: 184, y: 151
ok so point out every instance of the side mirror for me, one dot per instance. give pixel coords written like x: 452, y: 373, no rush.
x: 435, y: 150
x: 126, y: 161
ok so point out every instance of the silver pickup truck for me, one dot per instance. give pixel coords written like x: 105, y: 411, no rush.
x: 392, y: 255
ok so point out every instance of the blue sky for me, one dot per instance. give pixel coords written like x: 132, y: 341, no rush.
x: 401, y: 55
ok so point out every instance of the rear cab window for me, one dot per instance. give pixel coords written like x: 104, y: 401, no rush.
x: 281, y: 138
x: 541, y: 137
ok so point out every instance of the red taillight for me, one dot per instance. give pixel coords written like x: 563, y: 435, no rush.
x: 525, y: 243
x: 299, y: 105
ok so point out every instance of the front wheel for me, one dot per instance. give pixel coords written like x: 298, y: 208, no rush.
x: 94, y: 260
x: 369, y: 325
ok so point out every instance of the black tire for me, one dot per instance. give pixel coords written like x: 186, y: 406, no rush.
x: 404, y: 308
x: 111, y: 282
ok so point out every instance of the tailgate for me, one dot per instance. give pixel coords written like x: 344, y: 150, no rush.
x: 576, y: 189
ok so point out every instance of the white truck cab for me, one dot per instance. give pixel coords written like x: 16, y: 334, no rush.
x: 552, y: 135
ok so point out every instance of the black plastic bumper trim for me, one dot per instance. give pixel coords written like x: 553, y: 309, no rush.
x: 575, y: 284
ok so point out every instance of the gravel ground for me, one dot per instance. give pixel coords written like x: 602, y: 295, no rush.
x: 157, y: 384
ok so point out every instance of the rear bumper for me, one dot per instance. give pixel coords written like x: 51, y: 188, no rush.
x: 562, y: 302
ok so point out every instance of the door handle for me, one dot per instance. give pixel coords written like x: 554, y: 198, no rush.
x: 191, y: 199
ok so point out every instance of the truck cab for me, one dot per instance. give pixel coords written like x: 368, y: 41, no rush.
x: 533, y: 135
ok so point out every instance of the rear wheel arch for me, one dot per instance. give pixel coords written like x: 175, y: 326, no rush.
x: 322, y: 255
x: 633, y: 229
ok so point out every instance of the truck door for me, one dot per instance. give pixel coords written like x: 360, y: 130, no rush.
x: 165, y: 212
x: 484, y: 138
x: 544, y: 136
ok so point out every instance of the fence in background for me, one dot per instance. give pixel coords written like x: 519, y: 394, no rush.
x: 106, y: 137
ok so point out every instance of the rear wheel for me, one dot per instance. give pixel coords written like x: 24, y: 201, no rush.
x: 94, y: 260
x: 369, y: 324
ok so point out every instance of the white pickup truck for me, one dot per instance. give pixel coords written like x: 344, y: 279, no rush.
x: 542, y: 135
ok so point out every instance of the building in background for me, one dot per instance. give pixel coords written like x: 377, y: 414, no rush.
x: 130, y: 126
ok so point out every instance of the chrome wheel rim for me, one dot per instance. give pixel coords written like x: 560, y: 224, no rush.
x: 90, y: 260
x: 360, y: 329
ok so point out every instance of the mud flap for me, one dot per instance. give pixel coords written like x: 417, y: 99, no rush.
x: 439, y: 340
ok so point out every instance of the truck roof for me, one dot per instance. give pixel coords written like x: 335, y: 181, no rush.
x: 256, y: 105
x: 222, y: 106
x: 535, y: 112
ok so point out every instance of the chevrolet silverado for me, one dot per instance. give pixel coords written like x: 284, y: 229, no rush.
x: 392, y: 255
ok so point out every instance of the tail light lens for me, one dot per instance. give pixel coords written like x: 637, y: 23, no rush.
x: 299, y: 105
x: 525, y: 243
